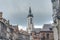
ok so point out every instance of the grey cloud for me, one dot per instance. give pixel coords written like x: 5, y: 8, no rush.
x: 17, y: 10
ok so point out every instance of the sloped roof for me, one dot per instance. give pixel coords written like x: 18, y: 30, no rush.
x: 24, y: 32
x: 37, y: 30
x: 46, y: 27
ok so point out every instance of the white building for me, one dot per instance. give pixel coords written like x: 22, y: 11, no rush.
x: 29, y: 21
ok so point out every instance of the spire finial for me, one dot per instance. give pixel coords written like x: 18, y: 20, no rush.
x: 30, y: 10
x: 30, y: 14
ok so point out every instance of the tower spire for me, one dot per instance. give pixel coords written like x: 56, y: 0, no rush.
x: 30, y: 10
x: 30, y: 13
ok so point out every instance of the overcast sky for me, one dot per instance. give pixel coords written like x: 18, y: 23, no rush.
x: 17, y: 10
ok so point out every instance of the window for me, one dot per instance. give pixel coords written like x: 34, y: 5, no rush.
x: 31, y: 20
x: 35, y: 37
x: 50, y: 28
x: 47, y: 35
x: 43, y: 38
x: 11, y: 30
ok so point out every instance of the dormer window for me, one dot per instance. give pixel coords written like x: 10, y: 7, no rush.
x: 50, y: 28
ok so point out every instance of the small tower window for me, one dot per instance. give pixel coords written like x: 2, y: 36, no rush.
x: 31, y: 20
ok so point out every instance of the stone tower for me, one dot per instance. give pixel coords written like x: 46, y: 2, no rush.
x: 29, y: 21
x: 56, y: 17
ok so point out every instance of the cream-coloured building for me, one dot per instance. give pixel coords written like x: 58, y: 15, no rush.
x: 46, y: 33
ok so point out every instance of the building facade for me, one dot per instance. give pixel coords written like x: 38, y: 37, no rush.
x: 11, y: 32
x: 23, y: 35
x: 3, y: 28
x: 56, y: 18
x: 46, y: 33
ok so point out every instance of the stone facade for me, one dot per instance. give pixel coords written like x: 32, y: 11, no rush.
x: 24, y: 35
x: 56, y: 17
x: 11, y: 32
x: 43, y: 35
x: 46, y: 33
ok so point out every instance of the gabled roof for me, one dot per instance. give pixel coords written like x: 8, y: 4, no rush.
x: 37, y: 30
x: 47, y: 26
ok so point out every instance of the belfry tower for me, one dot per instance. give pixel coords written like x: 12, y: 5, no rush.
x: 29, y: 21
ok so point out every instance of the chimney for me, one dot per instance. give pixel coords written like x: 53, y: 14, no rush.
x: 0, y: 14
